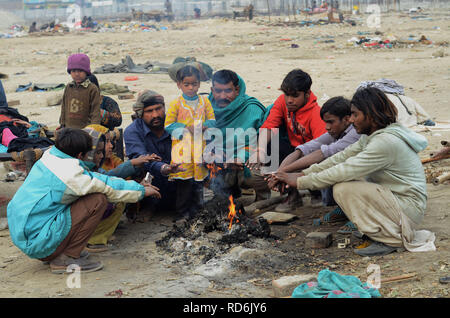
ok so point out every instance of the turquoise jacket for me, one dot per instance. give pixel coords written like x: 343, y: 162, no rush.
x: 39, y: 216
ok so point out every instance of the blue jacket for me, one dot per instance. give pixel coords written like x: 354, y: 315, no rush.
x: 39, y: 216
x: 139, y: 140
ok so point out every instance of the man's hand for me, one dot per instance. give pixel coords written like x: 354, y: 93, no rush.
x: 139, y: 161
x: 290, y: 179
x: 172, y: 168
x: 152, y: 191
x: 236, y: 165
x: 256, y: 159
x: 21, y: 122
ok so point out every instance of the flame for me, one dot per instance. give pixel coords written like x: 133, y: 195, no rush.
x: 213, y: 169
x: 232, y: 213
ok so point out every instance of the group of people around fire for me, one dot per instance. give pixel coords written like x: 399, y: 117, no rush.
x: 350, y: 154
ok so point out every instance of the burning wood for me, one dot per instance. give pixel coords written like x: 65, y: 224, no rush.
x: 232, y: 213
x: 223, y: 215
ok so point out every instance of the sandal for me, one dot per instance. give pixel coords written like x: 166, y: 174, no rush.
x: 96, y: 248
x: 337, y: 215
x: 347, y: 228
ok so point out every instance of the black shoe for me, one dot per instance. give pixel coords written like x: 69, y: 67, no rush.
x: 375, y: 249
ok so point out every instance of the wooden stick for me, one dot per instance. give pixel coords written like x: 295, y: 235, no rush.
x: 442, y: 178
x: 435, y: 159
x: 397, y: 278
x: 250, y: 209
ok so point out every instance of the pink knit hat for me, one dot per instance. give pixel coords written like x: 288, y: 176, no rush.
x: 79, y: 61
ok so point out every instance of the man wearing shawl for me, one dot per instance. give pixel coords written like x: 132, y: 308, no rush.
x: 235, y: 110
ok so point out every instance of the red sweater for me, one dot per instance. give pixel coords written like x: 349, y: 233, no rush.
x: 308, y: 126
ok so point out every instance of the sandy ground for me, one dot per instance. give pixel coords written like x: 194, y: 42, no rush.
x: 262, y: 56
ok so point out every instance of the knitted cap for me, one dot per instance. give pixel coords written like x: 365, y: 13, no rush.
x: 79, y: 61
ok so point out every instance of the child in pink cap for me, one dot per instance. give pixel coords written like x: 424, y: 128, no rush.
x: 81, y: 100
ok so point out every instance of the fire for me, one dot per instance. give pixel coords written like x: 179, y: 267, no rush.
x: 232, y: 213
x: 214, y: 169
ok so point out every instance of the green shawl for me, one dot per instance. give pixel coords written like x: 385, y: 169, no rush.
x: 244, y: 112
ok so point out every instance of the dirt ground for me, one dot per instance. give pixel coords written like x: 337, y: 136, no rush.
x: 262, y: 54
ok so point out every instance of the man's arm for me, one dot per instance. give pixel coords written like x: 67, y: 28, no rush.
x: 290, y: 159
x: 375, y: 156
x: 323, y: 148
x: 304, y: 162
x: 135, y: 147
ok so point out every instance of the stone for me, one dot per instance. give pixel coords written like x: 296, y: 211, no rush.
x: 284, y: 286
x: 275, y: 217
x: 318, y: 239
x: 55, y: 99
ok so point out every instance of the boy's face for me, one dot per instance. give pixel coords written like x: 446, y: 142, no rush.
x: 98, y: 154
x: 78, y: 76
x: 334, y: 125
x: 296, y: 101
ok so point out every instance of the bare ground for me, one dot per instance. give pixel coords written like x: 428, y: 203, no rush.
x: 262, y: 56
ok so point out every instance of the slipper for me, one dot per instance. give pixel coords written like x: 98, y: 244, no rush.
x: 347, y: 228
x: 96, y: 248
x: 337, y: 215
x: 444, y: 280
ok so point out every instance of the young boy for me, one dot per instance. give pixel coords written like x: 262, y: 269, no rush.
x: 54, y: 213
x: 81, y: 100
x: 297, y: 110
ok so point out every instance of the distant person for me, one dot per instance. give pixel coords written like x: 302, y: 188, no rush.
x: 168, y: 6
x: 197, y: 13
x: 33, y: 28
x: 189, y: 112
x: 81, y: 99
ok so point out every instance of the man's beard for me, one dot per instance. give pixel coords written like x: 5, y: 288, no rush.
x: 152, y: 124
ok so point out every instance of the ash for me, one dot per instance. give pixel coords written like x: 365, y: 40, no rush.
x: 207, y: 235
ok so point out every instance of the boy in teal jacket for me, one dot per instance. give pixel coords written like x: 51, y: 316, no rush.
x: 53, y: 214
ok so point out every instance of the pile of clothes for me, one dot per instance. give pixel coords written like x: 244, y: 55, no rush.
x: 18, y: 134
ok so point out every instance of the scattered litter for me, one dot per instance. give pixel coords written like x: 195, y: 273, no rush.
x: 343, y: 243
x: 131, y: 78
x: 333, y: 285
x: 117, y: 293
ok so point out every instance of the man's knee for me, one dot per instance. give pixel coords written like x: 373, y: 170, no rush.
x: 339, y: 189
x: 99, y: 199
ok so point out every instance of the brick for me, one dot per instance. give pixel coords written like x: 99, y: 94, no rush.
x: 284, y: 286
x: 318, y: 239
